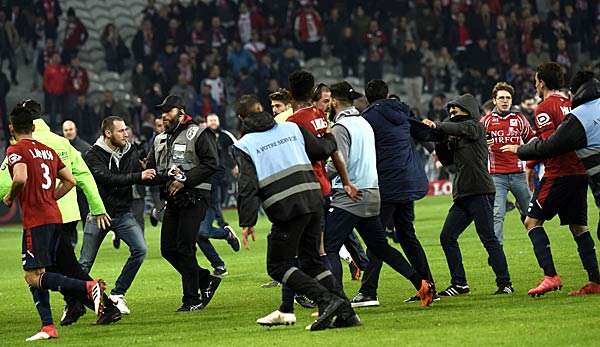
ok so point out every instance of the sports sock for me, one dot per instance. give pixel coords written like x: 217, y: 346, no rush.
x: 587, y: 253
x: 541, y: 248
x: 56, y: 282
x: 287, y: 299
x: 41, y: 299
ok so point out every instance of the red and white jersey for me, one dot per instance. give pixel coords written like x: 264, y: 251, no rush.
x: 548, y: 116
x: 37, y: 198
x: 510, y: 129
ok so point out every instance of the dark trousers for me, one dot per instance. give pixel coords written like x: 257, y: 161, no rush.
x: 478, y: 209
x: 357, y: 252
x: 340, y: 223
x: 401, y: 215
x: 299, y: 236
x: 178, y: 246
x: 66, y: 264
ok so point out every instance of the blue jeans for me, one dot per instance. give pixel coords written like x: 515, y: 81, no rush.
x: 208, y: 231
x: 515, y: 183
x: 127, y: 229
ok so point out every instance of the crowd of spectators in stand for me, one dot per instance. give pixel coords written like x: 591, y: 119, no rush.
x: 213, y: 51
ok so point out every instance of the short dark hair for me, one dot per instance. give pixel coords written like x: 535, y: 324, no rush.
x: 244, y: 106
x: 580, y: 78
x: 301, y: 85
x: 319, y: 90
x: 108, y: 123
x: 21, y: 120
x: 552, y: 74
x: 282, y: 95
x: 502, y: 86
x: 376, y: 90
x: 34, y: 108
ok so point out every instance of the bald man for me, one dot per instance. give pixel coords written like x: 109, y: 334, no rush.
x: 70, y: 132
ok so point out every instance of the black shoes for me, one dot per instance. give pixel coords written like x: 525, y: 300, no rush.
x: 72, y: 313
x: 190, y: 307
x: 303, y: 301
x: 111, y: 314
x: 362, y: 300
x: 232, y: 239
x: 209, y: 291
x: 327, y: 314
x: 504, y: 289
x: 454, y: 290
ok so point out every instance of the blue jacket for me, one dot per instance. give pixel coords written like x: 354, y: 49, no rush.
x: 401, y: 173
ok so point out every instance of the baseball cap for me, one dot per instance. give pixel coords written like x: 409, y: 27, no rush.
x: 170, y: 102
x: 343, y: 90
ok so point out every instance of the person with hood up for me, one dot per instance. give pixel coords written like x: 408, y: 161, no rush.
x: 465, y: 146
x: 402, y: 181
x: 578, y: 132
x: 116, y: 168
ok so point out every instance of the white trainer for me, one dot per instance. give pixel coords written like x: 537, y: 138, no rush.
x: 119, y: 301
x: 277, y: 318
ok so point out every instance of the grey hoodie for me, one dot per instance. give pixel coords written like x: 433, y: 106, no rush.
x: 116, y: 155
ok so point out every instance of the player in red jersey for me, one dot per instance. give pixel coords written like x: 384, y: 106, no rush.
x: 504, y: 126
x: 34, y: 169
x: 562, y: 190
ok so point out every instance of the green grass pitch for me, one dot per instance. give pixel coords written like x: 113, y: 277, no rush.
x: 476, y: 319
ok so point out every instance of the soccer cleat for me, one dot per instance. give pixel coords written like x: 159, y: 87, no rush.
x: 47, y: 332
x: 72, y: 313
x: 354, y: 271
x: 220, y: 271
x: 120, y: 303
x: 589, y: 288
x: 277, y: 318
x: 339, y: 322
x: 190, y: 307
x: 505, y: 289
x: 95, y: 289
x: 116, y: 241
x: 111, y: 314
x: 426, y: 293
x: 416, y: 298
x: 210, y: 290
x: 232, y: 239
x: 327, y: 314
x: 303, y: 301
x: 155, y: 216
x: 454, y: 290
x: 362, y: 300
x: 271, y: 284
x: 548, y: 284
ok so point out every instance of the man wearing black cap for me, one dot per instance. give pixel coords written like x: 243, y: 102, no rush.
x: 185, y: 159
x: 356, y: 143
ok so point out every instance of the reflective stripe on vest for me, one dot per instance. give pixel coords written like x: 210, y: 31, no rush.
x: 277, y: 154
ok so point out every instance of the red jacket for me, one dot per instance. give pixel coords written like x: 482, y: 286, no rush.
x: 55, y: 78
x: 77, y: 81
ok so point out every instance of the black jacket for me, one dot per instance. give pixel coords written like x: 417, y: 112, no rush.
x: 465, y: 146
x: 114, y: 181
x: 249, y: 194
x: 206, y: 149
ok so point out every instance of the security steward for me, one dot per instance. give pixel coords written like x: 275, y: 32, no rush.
x: 275, y: 169
x: 185, y: 159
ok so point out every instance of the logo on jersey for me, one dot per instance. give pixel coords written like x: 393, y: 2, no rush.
x: 14, y: 158
x: 513, y: 123
x: 191, y: 133
x: 543, y: 119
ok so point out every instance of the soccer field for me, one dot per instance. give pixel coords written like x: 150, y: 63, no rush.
x: 476, y: 319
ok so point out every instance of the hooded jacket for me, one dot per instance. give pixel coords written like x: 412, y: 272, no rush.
x: 250, y: 195
x: 570, y: 136
x: 465, y: 146
x: 401, y: 174
x: 115, y: 173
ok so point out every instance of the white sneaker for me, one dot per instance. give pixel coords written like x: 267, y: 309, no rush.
x: 119, y: 301
x: 277, y: 318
